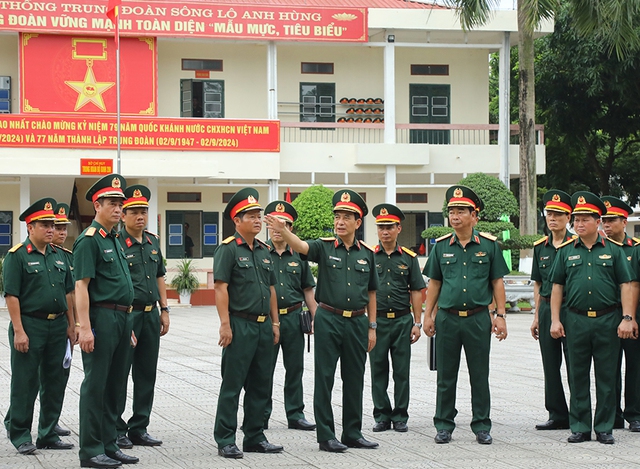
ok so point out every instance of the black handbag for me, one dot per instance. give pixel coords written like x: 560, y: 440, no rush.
x: 305, y: 321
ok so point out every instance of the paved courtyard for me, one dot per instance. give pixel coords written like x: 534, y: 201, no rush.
x: 189, y: 380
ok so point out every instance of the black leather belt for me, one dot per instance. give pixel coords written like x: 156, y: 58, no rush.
x: 143, y: 307
x: 346, y: 313
x: 43, y: 315
x: 113, y: 306
x: 465, y: 313
x: 250, y: 317
x: 290, y: 308
x: 546, y: 299
x: 393, y: 314
x: 596, y: 314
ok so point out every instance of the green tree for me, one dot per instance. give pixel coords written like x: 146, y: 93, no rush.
x: 315, y: 213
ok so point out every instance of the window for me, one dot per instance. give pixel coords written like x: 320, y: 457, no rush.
x: 5, y: 95
x: 317, y: 102
x: 429, y: 69
x: 192, y: 234
x: 202, y: 98
x: 226, y: 197
x: 202, y: 64
x: 6, y: 226
x: 412, y: 198
x: 184, y: 196
x: 318, y: 68
x: 293, y: 195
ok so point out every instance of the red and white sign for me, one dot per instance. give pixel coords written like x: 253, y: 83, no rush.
x: 95, y: 166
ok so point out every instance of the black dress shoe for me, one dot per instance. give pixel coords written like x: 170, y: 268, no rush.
x: 144, y: 439
x: 634, y: 426
x: 618, y: 424
x: 553, y: 425
x: 263, y: 447
x: 26, y: 448
x: 332, y: 446
x: 484, y: 438
x: 124, y: 442
x: 55, y: 445
x: 400, y: 427
x: 579, y: 437
x: 61, y: 431
x: 605, y: 438
x: 230, y: 451
x: 361, y: 443
x: 101, y: 460
x: 382, y: 426
x: 443, y: 436
x: 123, y: 458
x: 302, y: 424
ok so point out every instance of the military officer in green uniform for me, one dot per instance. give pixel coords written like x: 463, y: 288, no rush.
x: 104, y: 294
x: 249, y: 327
x: 591, y: 275
x: 614, y: 224
x: 557, y: 206
x: 347, y: 283
x: 146, y: 266
x: 37, y: 287
x: 294, y: 284
x: 399, y: 303
x: 465, y: 269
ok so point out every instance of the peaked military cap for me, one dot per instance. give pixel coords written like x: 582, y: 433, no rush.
x: 242, y: 201
x: 111, y: 185
x: 587, y: 202
x: 557, y: 201
x: 462, y: 196
x: 615, y: 207
x: 350, y: 201
x: 42, y: 210
x: 136, y: 196
x: 387, y: 214
x: 283, y: 210
x: 62, y: 214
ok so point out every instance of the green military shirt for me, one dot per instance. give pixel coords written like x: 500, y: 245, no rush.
x: 68, y: 255
x: 40, y: 281
x: 628, y: 247
x: 543, y: 255
x: 249, y: 274
x: 465, y: 272
x: 345, y: 278
x: 293, y: 276
x: 591, y: 276
x: 145, y: 265
x: 398, y: 274
x: 98, y: 256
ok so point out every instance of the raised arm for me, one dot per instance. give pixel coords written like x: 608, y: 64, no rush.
x: 276, y: 225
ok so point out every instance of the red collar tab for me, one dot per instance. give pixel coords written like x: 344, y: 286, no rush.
x: 128, y: 242
x: 29, y: 248
x: 148, y: 240
x: 102, y: 232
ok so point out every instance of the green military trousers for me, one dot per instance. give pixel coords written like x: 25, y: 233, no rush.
x: 38, y: 369
x: 337, y: 337
x: 552, y: 351
x: 631, y: 349
x: 393, y: 337
x: 474, y: 334
x: 592, y: 339
x: 143, y: 363
x: 292, y: 344
x: 105, y: 371
x: 246, y: 362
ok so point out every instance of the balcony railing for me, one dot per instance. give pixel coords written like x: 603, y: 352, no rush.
x: 432, y: 134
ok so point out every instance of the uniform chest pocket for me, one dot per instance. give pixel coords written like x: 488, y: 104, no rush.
x: 401, y: 270
x: 293, y: 269
x: 267, y: 266
x: 362, y: 273
x: 379, y: 269
x: 444, y: 261
x: 34, y: 268
x: 545, y: 263
x: 607, y: 263
x: 244, y: 264
x: 111, y: 262
x: 334, y: 264
x: 480, y: 266
x: 154, y: 258
x: 573, y: 263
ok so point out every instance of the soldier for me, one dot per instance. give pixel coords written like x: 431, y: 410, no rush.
x: 146, y: 266
x: 294, y: 284
x: 614, y: 223
x: 347, y: 283
x: 104, y: 294
x: 591, y: 268
x: 37, y: 287
x: 465, y: 269
x: 557, y: 205
x: 249, y: 327
x: 400, y: 289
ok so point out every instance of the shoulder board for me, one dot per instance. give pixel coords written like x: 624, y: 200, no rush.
x: 15, y: 248
x: 152, y: 234
x: 90, y: 231
x: 62, y: 247
x: 409, y: 251
x: 367, y: 246
x: 328, y: 239
x: 541, y: 240
x: 637, y: 240
x: 448, y: 235
x: 614, y: 241
x: 488, y: 236
x: 264, y: 244
x: 567, y: 242
x: 228, y: 240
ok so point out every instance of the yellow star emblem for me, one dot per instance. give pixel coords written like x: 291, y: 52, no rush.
x: 90, y: 91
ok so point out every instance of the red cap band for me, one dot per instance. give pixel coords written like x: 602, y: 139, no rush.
x: 348, y: 206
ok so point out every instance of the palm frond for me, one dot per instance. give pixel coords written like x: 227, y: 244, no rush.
x: 473, y: 13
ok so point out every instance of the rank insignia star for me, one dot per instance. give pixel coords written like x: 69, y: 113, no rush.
x: 90, y: 90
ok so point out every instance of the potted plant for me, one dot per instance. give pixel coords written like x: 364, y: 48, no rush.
x: 185, y: 281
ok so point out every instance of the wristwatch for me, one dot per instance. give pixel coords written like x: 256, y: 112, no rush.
x: 627, y: 317
x: 418, y: 325
x: 373, y: 325
x: 165, y: 308
x: 503, y: 316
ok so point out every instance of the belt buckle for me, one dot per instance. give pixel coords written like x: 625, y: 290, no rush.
x: 148, y: 308
x: 51, y: 317
x: 346, y: 313
x: 283, y: 311
x: 592, y: 314
x: 129, y: 309
x: 391, y: 315
x: 463, y: 314
x: 261, y: 318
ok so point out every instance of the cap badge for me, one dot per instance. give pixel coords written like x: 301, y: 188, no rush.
x: 115, y: 183
x: 345, y: 197
x: 457, y: 193
x: 581, y: 200
x: 251, y: 199
x: 48, y: 206
x: 62, y: 211
x: 607, y: 204
x: 137, y: 193
x: 280, y: 208
x: 556, y: 198
x: 384, y: 212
